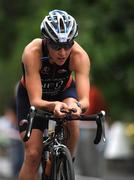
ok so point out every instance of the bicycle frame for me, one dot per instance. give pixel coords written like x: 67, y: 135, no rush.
x: 53, y: 143
x: 53, y: 146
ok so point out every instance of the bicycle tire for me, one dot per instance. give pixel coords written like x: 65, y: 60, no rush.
x: 62, y: 165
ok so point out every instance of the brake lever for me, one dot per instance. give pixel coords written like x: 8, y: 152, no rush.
x: 103, y: 126
x: 100, y: 128
x: 30, y: 124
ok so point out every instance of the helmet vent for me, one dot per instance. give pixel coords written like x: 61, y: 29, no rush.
x: 51, y: 31
x: 61, y: 26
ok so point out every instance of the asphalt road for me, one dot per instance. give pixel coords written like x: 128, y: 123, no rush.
x: 107, y: 177
x: 76, y: 178
x: 86, y: 178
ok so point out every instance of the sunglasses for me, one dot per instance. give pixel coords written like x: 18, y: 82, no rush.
x: 58, y: 46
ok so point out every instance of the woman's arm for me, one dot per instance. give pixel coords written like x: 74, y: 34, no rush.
x: 80, y: 64
x: 32, y: 65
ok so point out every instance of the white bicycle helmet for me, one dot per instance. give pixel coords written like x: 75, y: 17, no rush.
x: 59, y: 26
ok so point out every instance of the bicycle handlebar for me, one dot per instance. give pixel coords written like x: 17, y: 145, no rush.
x: 99, y: 118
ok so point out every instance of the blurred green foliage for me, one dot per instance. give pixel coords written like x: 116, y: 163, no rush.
x: 106, y: 32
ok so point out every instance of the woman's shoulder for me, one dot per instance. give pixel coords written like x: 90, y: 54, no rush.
x: 79, y: 57
x: 35, y: 43
x: 33, y: 50
x: 34, y: 46
x: 78, y: 50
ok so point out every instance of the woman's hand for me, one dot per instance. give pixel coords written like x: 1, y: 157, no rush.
x: 75, y: 109
x: 59, y: 106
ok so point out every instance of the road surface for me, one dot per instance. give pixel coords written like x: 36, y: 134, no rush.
x: 76, y: 178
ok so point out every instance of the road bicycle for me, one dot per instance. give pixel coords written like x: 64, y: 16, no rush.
x: 54, y: 148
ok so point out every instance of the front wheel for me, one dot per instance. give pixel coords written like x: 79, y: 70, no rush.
x: 62, y: 166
